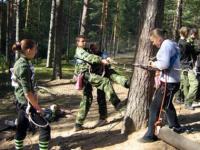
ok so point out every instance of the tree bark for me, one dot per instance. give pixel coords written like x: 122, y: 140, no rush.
x: 104, y: 15
x: 177, y: 19
x: 57, y: 68
x: 27, y: 13
x: 1, y: 18
x: 51, y: 36
x: 115, y: 35
x: 68, y: 27
x: 141, y: 89
x: 7, y: 30
x: 17, y: 3
x: 84, y: 17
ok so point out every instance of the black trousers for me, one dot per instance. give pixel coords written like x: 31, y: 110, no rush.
x: 23, y: 124
x: 101, y: 100
x: 168, y: 106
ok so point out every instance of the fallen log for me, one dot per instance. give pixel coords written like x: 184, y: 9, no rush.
x: 176, y: 140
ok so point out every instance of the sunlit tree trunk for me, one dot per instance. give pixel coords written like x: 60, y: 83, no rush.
x: 177, y: 19
x: 84, y: 17
x: 17, y: 5
x: 27, y: 13
x: 51, y: 36
x: 141, y: 89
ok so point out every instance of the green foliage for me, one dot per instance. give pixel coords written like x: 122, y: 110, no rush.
x: 190, y: 17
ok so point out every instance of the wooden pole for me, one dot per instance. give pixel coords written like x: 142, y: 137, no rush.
x: 177, y: 140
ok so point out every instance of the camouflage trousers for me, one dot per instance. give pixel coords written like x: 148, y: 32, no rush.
x: 104, y: 90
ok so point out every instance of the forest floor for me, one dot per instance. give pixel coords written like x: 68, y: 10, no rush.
x: 107, y: 137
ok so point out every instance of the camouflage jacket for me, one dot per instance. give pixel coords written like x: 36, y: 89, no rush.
x: 84, y: 59
x: 22, y: 78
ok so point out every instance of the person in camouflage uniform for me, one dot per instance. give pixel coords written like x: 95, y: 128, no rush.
x: 190, y: 81
x: 83, y: 61
x: 23, y: 82
x: 110, y: 73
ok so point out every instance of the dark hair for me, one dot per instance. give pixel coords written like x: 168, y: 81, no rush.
x: 92, y: 46
x: 194, y: 31
x: 184, y: 31
x: 23, y: 45
x: 157, y: 32
x: 80, y: 37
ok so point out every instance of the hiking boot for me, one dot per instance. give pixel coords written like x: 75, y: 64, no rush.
x: 189, y: 107
x: 101, y: 122
x: 179, y: 129
x: 78, y: 127
x: 148, y: 139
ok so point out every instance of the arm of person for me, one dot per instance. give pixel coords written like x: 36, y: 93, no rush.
x: 87, y: 57
x: 163, y: 57
x: 26, y: 84
x: 32, y: 99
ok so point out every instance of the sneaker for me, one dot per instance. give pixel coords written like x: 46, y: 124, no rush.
x: 101, y: 122
x: 189, y: 107
x: 78, y: 127
x: 148, y: 139
x: 179, y: 129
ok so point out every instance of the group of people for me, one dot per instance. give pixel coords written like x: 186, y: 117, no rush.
x: 96, y: 70
x: 187, y: 93
x: 91, y: 63
x: 179, y: 68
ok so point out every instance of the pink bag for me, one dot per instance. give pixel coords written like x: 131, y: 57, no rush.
x: 79, y: 82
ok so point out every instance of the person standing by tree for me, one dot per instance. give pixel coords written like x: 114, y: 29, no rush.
x: 167, y: 59
x: 23, y: 82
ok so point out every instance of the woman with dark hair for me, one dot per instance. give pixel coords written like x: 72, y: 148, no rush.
x: 23, y: 82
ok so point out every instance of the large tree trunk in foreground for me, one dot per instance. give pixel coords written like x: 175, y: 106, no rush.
x: 141, y: 89
x: 177, y: 19
x: 84, y: 17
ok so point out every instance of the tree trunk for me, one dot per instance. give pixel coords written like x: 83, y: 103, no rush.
x: 27, y: 12
x: 141, y: 91
x: 104, y: 15
x: 177, y: 19
x: 51, y: 36
x: 1, y: 18
x: 115, y: 36
x: 68, y: 27
x: 84, y: 17
x: 7, y: 30
x: 17, y: 3
x: 57, y: 68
